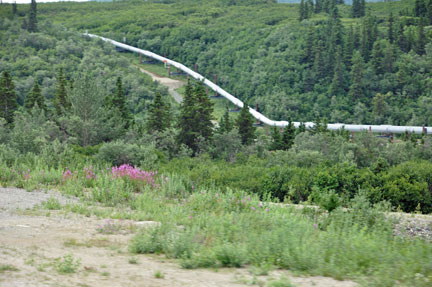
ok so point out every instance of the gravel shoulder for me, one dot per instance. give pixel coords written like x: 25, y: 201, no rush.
x: 34, y: 241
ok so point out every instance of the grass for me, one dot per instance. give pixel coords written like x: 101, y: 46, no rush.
x: 133, y: 260
x: 282, y: 282
x: 67, y: 264
x: 213, y: 228
x: 159, y: 275
x: 7, y: 267
x: 52, y: 204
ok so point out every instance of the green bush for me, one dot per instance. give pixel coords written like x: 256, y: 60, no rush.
x: 119, y: 152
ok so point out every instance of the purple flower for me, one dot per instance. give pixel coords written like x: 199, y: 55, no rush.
x: 315, y: 226
x: 253, y: 208
x: 267, y: 210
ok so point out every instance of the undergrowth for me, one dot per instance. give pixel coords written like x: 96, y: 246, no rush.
x: 217, y: 227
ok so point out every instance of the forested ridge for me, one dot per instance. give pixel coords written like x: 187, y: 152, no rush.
x: 368, y: 66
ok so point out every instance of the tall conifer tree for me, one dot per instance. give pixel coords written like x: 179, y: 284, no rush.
x: 32, y: 17
x: 159, y: 118
x: 35, y: 97
x: 390, y: 35
x: 421, y: 41
x: 61, y: 101
x: 8, y: 97
x: 245, y: 126
x: 288, y: 135
x: 356, y: 88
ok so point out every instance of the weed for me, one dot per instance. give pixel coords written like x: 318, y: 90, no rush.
x: 133, y: 260
x: 160, y: 275
x: 7, y: 267
x: 51, y: 203
x: 110, y: 227
x: 282, y: 282
x: 105, y: 273
x: 68, y: 264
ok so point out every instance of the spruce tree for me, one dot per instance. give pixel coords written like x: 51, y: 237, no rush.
x: 302, y: 11
x: 195, y: 117
x: 276, y: 142
x: 337, y: 86
x: 245, y: 126
x: 316, y: 129
x: 421, y: 41
x: 61, y: 101
x: 14, y: 8
x: 204, y: 111
x: 349, y: 47
x: 401, y: 39
x: 420, y: 9
x: 318, y: 6
x: 159, y: 116
x: 186, y: 122
x: 357, y: 70
x: 32, y: 17
x: 377, y: 58
x: 319, y: 63
x: 429, y: 12
x: 35, y: 98
x: 355, y: 9
x: 302, y: 128
x: 117, y: 102
x: 288, y: 135
x: 390, y: 35
x: 225, y: 123
x: 8, y: 98
x: 310, y: 47
x: 362, y: 9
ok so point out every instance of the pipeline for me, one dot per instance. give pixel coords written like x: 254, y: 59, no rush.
x: 337, y: 126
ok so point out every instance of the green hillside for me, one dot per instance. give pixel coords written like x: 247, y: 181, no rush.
x: 263, y: 54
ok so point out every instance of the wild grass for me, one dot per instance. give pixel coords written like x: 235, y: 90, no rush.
x: 229, y: 228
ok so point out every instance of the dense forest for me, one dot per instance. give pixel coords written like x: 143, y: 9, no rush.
x: 354, y: 64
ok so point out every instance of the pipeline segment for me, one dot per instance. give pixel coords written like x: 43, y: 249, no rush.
x: 257, y: 115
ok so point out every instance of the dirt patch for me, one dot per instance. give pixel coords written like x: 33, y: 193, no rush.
x: 38, y: 247
x: 168, y: 82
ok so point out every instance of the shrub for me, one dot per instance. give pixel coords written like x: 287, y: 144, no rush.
x: 119, y: 152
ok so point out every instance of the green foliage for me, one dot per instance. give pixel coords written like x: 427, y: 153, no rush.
x: 225, y: 123
x: 61, y: 101
x: 159, y: 115
x: 51, y: 204
x: 8, y: 98
x: 195, y: 117
x: 32, y: 17
x: 87, y: 121
x: 245, y: 126
x: 118, y: 152
x: 68, y: 264
x: 326, y: 199
x: 35, y: 98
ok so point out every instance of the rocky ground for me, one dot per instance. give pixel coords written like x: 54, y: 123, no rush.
x: 40, y: 247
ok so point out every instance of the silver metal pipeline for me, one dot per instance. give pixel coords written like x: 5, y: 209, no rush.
x: 338, y: 126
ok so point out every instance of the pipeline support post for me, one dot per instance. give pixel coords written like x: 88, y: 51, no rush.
x: 140, y: 58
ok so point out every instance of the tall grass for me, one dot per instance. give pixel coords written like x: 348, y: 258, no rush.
x: 230, y: 228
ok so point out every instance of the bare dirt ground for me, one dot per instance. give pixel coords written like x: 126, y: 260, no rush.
x: 172, y: 84
x: 34, y: 241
